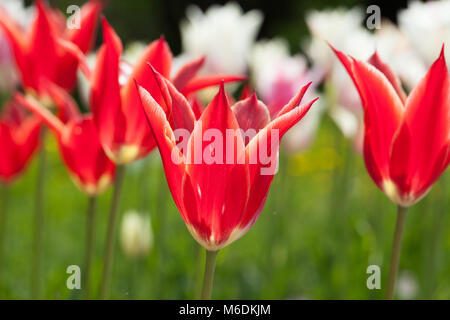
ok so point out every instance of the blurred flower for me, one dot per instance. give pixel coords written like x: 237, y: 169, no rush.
x: 8, y: 76
x: 130, y: 56
x: 16, y: 10
x: 87, y: 163
x: 278, y: 76
x: 224, y: 34
x: 48, y: 50
x: 123, y: 128
x: 341, y: 28
x: 396, y: 49
x: 219, y: 199
x: 407, y: 286
x: 8, y: 73
x: 427, y: 26
x: 406, y: 141
x: 19, y: 139
x: 136, y: 234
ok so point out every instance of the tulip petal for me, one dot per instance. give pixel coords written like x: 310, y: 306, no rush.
x: 84, y: 36
x: 427, y: 116
x: 20, y: 46
x: 159, y: 56
x: 105, y: 90
x: 43, y: 47
x: 187, y: 72
x: 251, y: 114
x: 67, y: 107
x: 376, y: 61
x: 383, y: 112
x: 172, y: 158
x: 180, y: 114
x: 84, y: 156
x: 199, y: 83
x: 49, y: 118
x: 262, y: 166
x: 19, y: 141
x: 295, y: 101
x: 221, y: 181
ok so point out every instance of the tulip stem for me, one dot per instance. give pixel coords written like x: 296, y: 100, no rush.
x: 3, y: 219
x: 198, y: 270
x: 90, y: 230
x: 110, y: 236
x: 208, y: 278
x: 396, y: 250
x: 38, y: 220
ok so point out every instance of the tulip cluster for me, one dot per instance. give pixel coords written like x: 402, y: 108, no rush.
x: 219, y: 154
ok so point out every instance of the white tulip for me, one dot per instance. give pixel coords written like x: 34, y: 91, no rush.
x: 224, y: 34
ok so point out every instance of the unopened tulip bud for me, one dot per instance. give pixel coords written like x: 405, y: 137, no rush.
x: 136, y: 234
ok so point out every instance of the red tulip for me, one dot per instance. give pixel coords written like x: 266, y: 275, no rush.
x: 407, y: 138
x: 123, y: 129
x: 221, y: 196
x: 19, y: 139
x: 45, y: 52
x: 89, y: 167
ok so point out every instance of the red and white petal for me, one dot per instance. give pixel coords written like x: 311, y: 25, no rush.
x: 427, y: 116
x: 219, y: 176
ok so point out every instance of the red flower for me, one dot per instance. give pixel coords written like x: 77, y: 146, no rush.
x: 19, y: 139
x: 45, y: 52
x: 407, y: 138
x: 89, y: 167
x: 123, y: 129
x: 221, y: 196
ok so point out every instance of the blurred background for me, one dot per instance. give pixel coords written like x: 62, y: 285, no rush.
x: 323, y: 224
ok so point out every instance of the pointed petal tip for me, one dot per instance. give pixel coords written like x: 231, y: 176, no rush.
x: 306, y: 86
x: 375, y: 55
x: 441, y: 58
x: 104, y: 21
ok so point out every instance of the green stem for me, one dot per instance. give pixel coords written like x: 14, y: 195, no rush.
x: 198, y: 270
x: 111, y: 234
x: 161, y: 236
x: 396, y: 250
x: 38, y: 221
x: 210, y: 266
x: 90, y: 231
x: 3, y: 219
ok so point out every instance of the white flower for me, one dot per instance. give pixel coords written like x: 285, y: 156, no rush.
x: 18, y: 12
x: 136, y: 234
x: 224, y: 34
x: 427, y: 26
x: 343, y: 29
x: 396, y: 49
x: 407, y: 286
